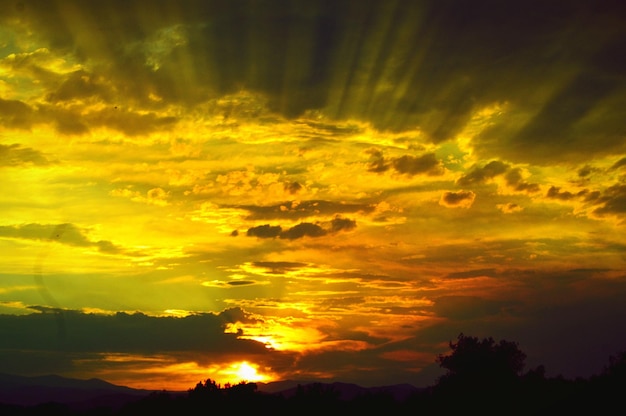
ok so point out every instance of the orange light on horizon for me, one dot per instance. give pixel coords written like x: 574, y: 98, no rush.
x: 153, y: 373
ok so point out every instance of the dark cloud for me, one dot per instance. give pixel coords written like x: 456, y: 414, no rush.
x: 590, y: 196
x: 555, y: 193
x: 333, y: 130
x: 16, y: 155
x: 590, y: 271
x: 450, y: 60
x: 554, y: 125
x: 232, y: 315
x: 407, y: 164
x: 338, y: 224
x: 468, y: 274
x: 16, y: 114
x: 413, y: 165
x: 121, y: 332
x: 303, y: 209
x: 586, y: 170
x: 241, y: 282
x: 457, y: 199
x: 613, y: 201
x: 264, y: 231
x: 279, y: 267
x: 303, y: 229
x: 292, y: 187
x: 513, y: 176
x: 515, y: 180
x: 62, y: 233
x: 80, y: 85
x: 65, y: 121
x: 32, y: 344
x: 377, y: 161
x: 509, y: 208
x: 129, y: 122
x: 479, y: 175
x: 619, y: 164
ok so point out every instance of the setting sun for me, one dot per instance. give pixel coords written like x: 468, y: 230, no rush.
x: 245, y: 371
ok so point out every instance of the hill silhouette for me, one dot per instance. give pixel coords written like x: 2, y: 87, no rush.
x: 480, y: 374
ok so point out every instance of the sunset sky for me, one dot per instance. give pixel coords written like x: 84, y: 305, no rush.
x: 325, y: 189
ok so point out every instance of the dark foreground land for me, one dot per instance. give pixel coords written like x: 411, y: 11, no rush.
x: 483, y: 377
x: 528, y: 397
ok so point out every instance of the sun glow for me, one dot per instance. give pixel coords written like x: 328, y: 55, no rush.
x: 244, y: 371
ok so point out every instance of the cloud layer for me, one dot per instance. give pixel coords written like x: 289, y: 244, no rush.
x: 328, y: 189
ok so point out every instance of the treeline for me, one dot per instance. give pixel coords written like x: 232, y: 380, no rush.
x: 482, y: 376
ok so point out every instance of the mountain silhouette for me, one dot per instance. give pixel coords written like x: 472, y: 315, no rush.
x: 80, y: 394
x: 86, y: 394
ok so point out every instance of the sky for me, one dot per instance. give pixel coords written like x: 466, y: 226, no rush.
x: 309, y: 190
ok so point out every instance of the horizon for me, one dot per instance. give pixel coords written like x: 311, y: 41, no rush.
x: 309, y: 189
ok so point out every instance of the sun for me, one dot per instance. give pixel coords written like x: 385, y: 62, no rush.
x: 245, y: 371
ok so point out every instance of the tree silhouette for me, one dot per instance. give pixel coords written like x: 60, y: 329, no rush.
x: 480, y: 372
x: 482, y: 360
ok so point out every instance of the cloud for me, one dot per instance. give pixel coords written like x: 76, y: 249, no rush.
x: 16, y: 155
x: 16, y: 114
x: 122, y: 332
x: 509, y: 208
x: 62, y: 233
x: 613, y: 201
x: 407, y: 165
x: 466, y: 61
x: 515, y: 180
x: 377, y: 161
x: 264, y: 231
x: 131, y: 123
x: 558, y: 122
x: 279, y: 267
x: 35, y: 341
x: 302, y: 209
x: 619, y: 164
x: 268, y: 112
x: 555, y: 193
x: 413, y: 165
x: 338, y: 224
x: 459, y: 199
x: 292, y: 187
x: 303, y: 229
x: 79, y: 85
x: 513, y: 177
x: 76, y: 120
x: 241, y: 282
x: 228, y: 284
x: 468, y: 274
x: 480, y: 175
